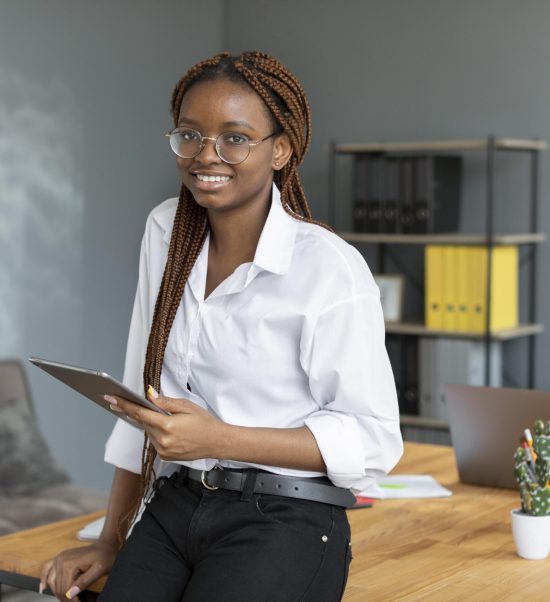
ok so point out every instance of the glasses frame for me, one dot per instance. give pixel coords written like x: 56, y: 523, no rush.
x: 217, y: 144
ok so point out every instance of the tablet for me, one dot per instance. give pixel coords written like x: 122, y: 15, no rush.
x: 94, y: 384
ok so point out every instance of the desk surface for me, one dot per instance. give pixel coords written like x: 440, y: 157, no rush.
x: 450, y: 549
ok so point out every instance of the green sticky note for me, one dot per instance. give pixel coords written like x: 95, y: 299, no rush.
x: 392, y: 486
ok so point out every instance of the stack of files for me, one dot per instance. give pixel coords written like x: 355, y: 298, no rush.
x: 444, y: 361
x: 406, y: 194
x: 456, y: 281
x: 406, y: 487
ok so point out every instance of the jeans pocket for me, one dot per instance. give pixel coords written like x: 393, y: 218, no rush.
x: 305, y: 516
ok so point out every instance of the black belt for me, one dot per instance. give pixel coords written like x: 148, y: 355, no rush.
x: 318, y: 489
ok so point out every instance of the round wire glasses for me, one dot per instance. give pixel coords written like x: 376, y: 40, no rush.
x: 231, y: 147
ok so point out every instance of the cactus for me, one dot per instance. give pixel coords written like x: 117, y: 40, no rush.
x: 533, y: 479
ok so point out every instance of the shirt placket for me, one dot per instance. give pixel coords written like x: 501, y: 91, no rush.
x: 194, y: 334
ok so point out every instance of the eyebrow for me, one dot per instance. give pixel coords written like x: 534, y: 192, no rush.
x: 225, y: 124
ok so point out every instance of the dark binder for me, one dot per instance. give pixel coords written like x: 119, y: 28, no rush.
x: 367, y: 193
x: 406, y: 194
x: 389, y: 195
x: 403, y: 354
x: 430, y: 194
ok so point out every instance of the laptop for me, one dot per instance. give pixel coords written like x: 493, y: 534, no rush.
x: 486, y: 425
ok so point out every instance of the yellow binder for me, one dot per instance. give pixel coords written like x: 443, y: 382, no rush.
x: 433, y: 297
x: 504, y: 288
x: 462, y: 289
x: 449, y: 288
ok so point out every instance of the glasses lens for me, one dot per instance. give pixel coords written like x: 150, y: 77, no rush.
x: 232, y: 147
x: 185, y: 143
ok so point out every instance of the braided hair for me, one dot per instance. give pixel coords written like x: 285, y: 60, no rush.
x: 289, y: 109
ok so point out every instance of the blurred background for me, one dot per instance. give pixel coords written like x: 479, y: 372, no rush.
x: 84, y: 97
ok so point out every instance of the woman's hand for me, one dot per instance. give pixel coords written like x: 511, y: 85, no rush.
x: 189, y: 433
x: 74, y: 570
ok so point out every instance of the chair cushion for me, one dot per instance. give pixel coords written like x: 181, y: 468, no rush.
x: 48, y: 505
x: 26, y: 464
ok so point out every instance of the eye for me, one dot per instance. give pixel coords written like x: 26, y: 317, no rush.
x: 234, y: 139
x: 189, y: 135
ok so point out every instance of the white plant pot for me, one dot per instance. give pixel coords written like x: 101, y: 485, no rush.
x: 531, y: 535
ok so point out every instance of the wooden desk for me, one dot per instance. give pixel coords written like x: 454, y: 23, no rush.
x: 447, y: 549
x: 451, y: 549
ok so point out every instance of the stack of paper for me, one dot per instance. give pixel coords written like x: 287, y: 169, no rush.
x: 92, y: 530
x: 406, y: 486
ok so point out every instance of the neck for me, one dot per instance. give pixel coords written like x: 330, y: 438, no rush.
x: 234, y: 236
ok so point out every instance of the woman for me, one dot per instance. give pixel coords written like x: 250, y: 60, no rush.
x: 263, y: 332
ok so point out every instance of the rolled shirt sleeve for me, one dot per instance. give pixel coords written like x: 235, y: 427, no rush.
x: 350, y: 377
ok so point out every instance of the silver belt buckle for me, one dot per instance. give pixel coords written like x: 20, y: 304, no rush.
x: 203, y: 481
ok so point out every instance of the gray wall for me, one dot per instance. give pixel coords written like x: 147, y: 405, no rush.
x: 84, y: 96
x: 420, y: 70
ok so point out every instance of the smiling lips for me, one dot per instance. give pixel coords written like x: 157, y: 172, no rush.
x: 205, y: 178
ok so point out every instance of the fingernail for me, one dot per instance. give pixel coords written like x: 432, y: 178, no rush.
x: 115, y: 408
x: 41, y: 588
x: 74, y: 591
x: 151, y: 392
x: 110, y: 399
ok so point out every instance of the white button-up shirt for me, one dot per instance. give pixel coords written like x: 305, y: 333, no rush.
x: 293, y: 338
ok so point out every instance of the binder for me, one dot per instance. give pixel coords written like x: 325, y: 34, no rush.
x: 366, y: 206
x: 403, y: 355
x: 406, y: 195
x: 462, y: 291
x: 450, y: 289
x: 504, y: 287
x: 434, y: 196
x: 477, y: 278
x: 387, y: 193
x: 444, y: 176
x: 434, y: 286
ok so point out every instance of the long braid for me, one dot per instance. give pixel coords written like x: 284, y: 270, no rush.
x: 284, y: 96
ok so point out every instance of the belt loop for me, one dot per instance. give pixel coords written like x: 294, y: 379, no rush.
x: 249, y: 485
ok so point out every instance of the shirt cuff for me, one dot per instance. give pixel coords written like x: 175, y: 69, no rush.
x: 124, y: 447
x: 352, y: 462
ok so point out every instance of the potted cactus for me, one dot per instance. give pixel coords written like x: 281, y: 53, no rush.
x: 531, y: 523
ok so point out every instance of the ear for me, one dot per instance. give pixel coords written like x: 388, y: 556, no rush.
x: 282, y: 151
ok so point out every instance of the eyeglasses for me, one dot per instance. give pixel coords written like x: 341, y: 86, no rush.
x: 231, y: 147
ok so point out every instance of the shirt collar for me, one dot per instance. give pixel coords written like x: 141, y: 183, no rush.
x: 276, y: 243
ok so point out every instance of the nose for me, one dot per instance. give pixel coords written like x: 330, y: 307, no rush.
x: 208, y: 153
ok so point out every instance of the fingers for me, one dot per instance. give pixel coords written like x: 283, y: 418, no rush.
x: 65, y: 572
x: 86, y: 579
x: 44, y: 576
x: 174, y: 406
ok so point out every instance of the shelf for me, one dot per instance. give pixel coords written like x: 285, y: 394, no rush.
x: 420, y: 421
x: 417, y: 329
x: 443, y: 239
x: 443, y: 145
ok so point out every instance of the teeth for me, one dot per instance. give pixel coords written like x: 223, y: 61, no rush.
x: 203, y: 178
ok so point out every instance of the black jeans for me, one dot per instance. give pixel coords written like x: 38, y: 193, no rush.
x: 197, y: 545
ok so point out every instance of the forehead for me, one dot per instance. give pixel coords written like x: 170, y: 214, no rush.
x: 217, y: 102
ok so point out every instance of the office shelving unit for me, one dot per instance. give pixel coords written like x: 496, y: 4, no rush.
x: 490, y: 146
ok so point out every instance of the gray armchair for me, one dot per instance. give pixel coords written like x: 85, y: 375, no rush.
x: 34, y: 489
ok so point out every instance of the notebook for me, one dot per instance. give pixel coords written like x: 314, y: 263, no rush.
x: 486, y: 425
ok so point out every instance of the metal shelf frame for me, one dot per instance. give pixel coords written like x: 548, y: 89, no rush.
x: 490, y: 146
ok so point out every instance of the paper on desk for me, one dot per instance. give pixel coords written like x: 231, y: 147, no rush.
x: 406, y: 486
x: 91, y: 531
